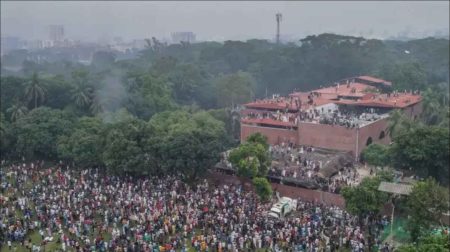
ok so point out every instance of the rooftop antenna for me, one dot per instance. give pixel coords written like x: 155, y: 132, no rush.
x: 279, y: 18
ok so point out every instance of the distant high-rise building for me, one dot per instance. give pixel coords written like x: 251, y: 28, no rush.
x: 8, y: 44
x: 35, y: 44
x: 178, y: 37
x: 56, y: 32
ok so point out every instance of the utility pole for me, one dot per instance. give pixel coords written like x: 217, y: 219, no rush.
x: 392, y: 216
x: 278, y: 18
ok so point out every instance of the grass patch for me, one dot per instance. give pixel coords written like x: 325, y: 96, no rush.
x: 35, y: 239
x: 399, y: 232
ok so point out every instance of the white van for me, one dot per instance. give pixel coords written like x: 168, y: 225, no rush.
x: 283, y: 207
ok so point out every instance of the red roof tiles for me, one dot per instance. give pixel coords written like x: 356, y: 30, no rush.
x: 359, y: 92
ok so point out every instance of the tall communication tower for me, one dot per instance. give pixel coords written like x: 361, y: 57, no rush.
x: 279, y: 18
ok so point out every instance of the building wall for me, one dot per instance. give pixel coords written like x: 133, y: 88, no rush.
x: 329, y: 199
x: 324, y: 136
x: 274, y: 135
x: 373, y: 131
x: 331, y: 136
x: 414, y: 110
x: 304, y: 194
x: 327, y: 136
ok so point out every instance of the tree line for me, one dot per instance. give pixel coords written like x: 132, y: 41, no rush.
x: 213, y: 75
x: 416, y: 146
x: 185, y: 142
x: 62, y: 97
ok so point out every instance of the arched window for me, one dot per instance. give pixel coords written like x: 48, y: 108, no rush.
x: 369, y: 141
x: 382, y: 135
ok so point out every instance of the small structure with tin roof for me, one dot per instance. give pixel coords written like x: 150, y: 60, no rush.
x: 395, y: 188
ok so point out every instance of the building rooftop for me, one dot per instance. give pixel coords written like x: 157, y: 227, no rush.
x: 400, y: 100
x: 374, y: 80
x: 355, y: 89
x: 323, y: 105
x: 395, y: 188
x: 355, y: 93
x: 366, y: 79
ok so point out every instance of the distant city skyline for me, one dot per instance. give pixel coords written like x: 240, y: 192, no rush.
x: 92, y: 21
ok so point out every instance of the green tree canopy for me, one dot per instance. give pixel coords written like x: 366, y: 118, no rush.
x: 187, y: 81
x: 398, y: 122
x: 35, y: 91
x: 409, y: 75
x: 148, y: 95
x: 435, y: 105
x: 251, y: 159
x: 6, y: 135
x: 38, y: 131
x: 81, y: 89
x: 84, y: 144
x: 235, y: 89
x: 425, y: 150
x: 365, y: 198
x: 376, y: 154
x: 17, y: 110
x: 12, y: 91
x: 125, y: 147
x: 258, y: 138
x: 191, y: 152
x: 426, y: 203
x: 436, y: 243
x: 263, y: 188
x: 57, y: 92
x: 187, y: 143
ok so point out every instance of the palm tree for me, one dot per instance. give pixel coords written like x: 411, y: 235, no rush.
x: 398, y: 122
x: 433, y: 109
x: 34, y: 90
x: 393, y: 121
x: 81, y: 95
x: 17, y: 110
x: 2, y: 124
x: 446, y: 121
x: 81, y: 91
x: 96, y: 105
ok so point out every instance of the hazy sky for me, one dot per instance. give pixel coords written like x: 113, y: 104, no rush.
x: 223, y: 20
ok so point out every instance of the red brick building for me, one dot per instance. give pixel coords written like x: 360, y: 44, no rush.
x: 347, y: 116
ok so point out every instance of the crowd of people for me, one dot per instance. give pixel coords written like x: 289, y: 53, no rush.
x: 286, y: 114
x: 349, y: 120
x: 277, y: 116
x: 334, y: 117
x: 293, y: 162
x: 88, y: 210
x: 302, y: 163
x: 330, y: 115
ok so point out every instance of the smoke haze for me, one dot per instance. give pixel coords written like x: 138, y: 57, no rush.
x: 224, y: 20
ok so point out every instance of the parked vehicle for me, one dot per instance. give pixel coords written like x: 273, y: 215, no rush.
x: 283, y: 207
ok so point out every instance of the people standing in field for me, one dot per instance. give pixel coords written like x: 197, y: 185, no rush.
x: 86, y: 210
